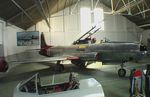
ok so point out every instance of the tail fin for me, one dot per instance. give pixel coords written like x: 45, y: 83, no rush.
x: 43, y: 42
x: 44, y: 46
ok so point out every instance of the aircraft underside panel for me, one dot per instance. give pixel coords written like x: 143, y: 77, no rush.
x: 117, y: 56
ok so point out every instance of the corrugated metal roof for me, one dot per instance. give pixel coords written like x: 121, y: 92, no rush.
x: 137, y: 11
x: 10, y: 12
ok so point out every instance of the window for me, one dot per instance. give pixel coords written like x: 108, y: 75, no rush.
x: 85, y: 18
x: 99, y: 18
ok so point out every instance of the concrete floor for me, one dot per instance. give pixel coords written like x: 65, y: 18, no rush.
x: 107, y: 75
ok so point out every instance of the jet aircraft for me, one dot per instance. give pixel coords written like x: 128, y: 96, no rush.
x: 82, y: 54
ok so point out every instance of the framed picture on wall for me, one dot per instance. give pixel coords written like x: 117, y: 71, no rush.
x: 29, y: 38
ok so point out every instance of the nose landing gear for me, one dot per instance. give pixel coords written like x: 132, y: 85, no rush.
x: 122, y: 71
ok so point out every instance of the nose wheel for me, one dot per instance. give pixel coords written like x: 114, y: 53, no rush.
x: 122, y: 71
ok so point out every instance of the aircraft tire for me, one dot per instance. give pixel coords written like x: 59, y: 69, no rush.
x: 79, y: 63
x: 82, y: 65
x: 121, y: 72
x: 60, y: 68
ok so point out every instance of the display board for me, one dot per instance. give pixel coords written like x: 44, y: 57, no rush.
x: 30, y: 38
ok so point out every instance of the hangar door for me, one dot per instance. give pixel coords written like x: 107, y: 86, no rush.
x: 1, y: 40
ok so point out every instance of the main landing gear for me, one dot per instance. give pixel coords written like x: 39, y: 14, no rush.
x: 122, y: 71
x: 59, y: 67
x: 79, y: 63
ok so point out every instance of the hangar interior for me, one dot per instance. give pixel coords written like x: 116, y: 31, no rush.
x: 64, y: 21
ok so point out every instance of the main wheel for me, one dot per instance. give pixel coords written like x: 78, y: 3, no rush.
x: 60, y: 67
x: 79, y: 63
x: 121, y: 72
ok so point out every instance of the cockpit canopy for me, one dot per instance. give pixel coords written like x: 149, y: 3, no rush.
x: 33, y: 85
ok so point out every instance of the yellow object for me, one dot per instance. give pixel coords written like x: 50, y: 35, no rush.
x: 82, y: 46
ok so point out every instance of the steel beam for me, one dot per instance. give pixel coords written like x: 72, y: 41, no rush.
x: 146, y: 4
x: 112, y: 6
x: 143, y: 9
x: 145, y: 25
x: 142, y: 12
x: 129, y: 10
x: 129, y: 5
x: 48, y: 7
x: 41, y: 10
x: 125, y: 5
x: 49, y: 13
x: 22, y: 10
x: 75, y: 6
x: 13, y: 17
x: 117, y: 4
x: 96, y: 4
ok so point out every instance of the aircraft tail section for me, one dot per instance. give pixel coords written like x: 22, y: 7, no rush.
x: 44, y: 46
x: 43, y: 42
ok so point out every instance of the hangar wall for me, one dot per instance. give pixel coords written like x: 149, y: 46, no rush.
x: 8, y: 40
x: 118, y: 28
x: 66, y: 26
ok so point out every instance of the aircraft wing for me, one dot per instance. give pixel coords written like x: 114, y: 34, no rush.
x: 34, y: 60
x: 44, y: 59
x: 13, y: 63
x: 20, y: 59
x: 31, y: 57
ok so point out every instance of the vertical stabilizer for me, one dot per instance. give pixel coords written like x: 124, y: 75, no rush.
x: 43, y: 42
x: 44, y: 46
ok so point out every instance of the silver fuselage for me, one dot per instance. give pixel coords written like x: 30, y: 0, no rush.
x: 109, y: 52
